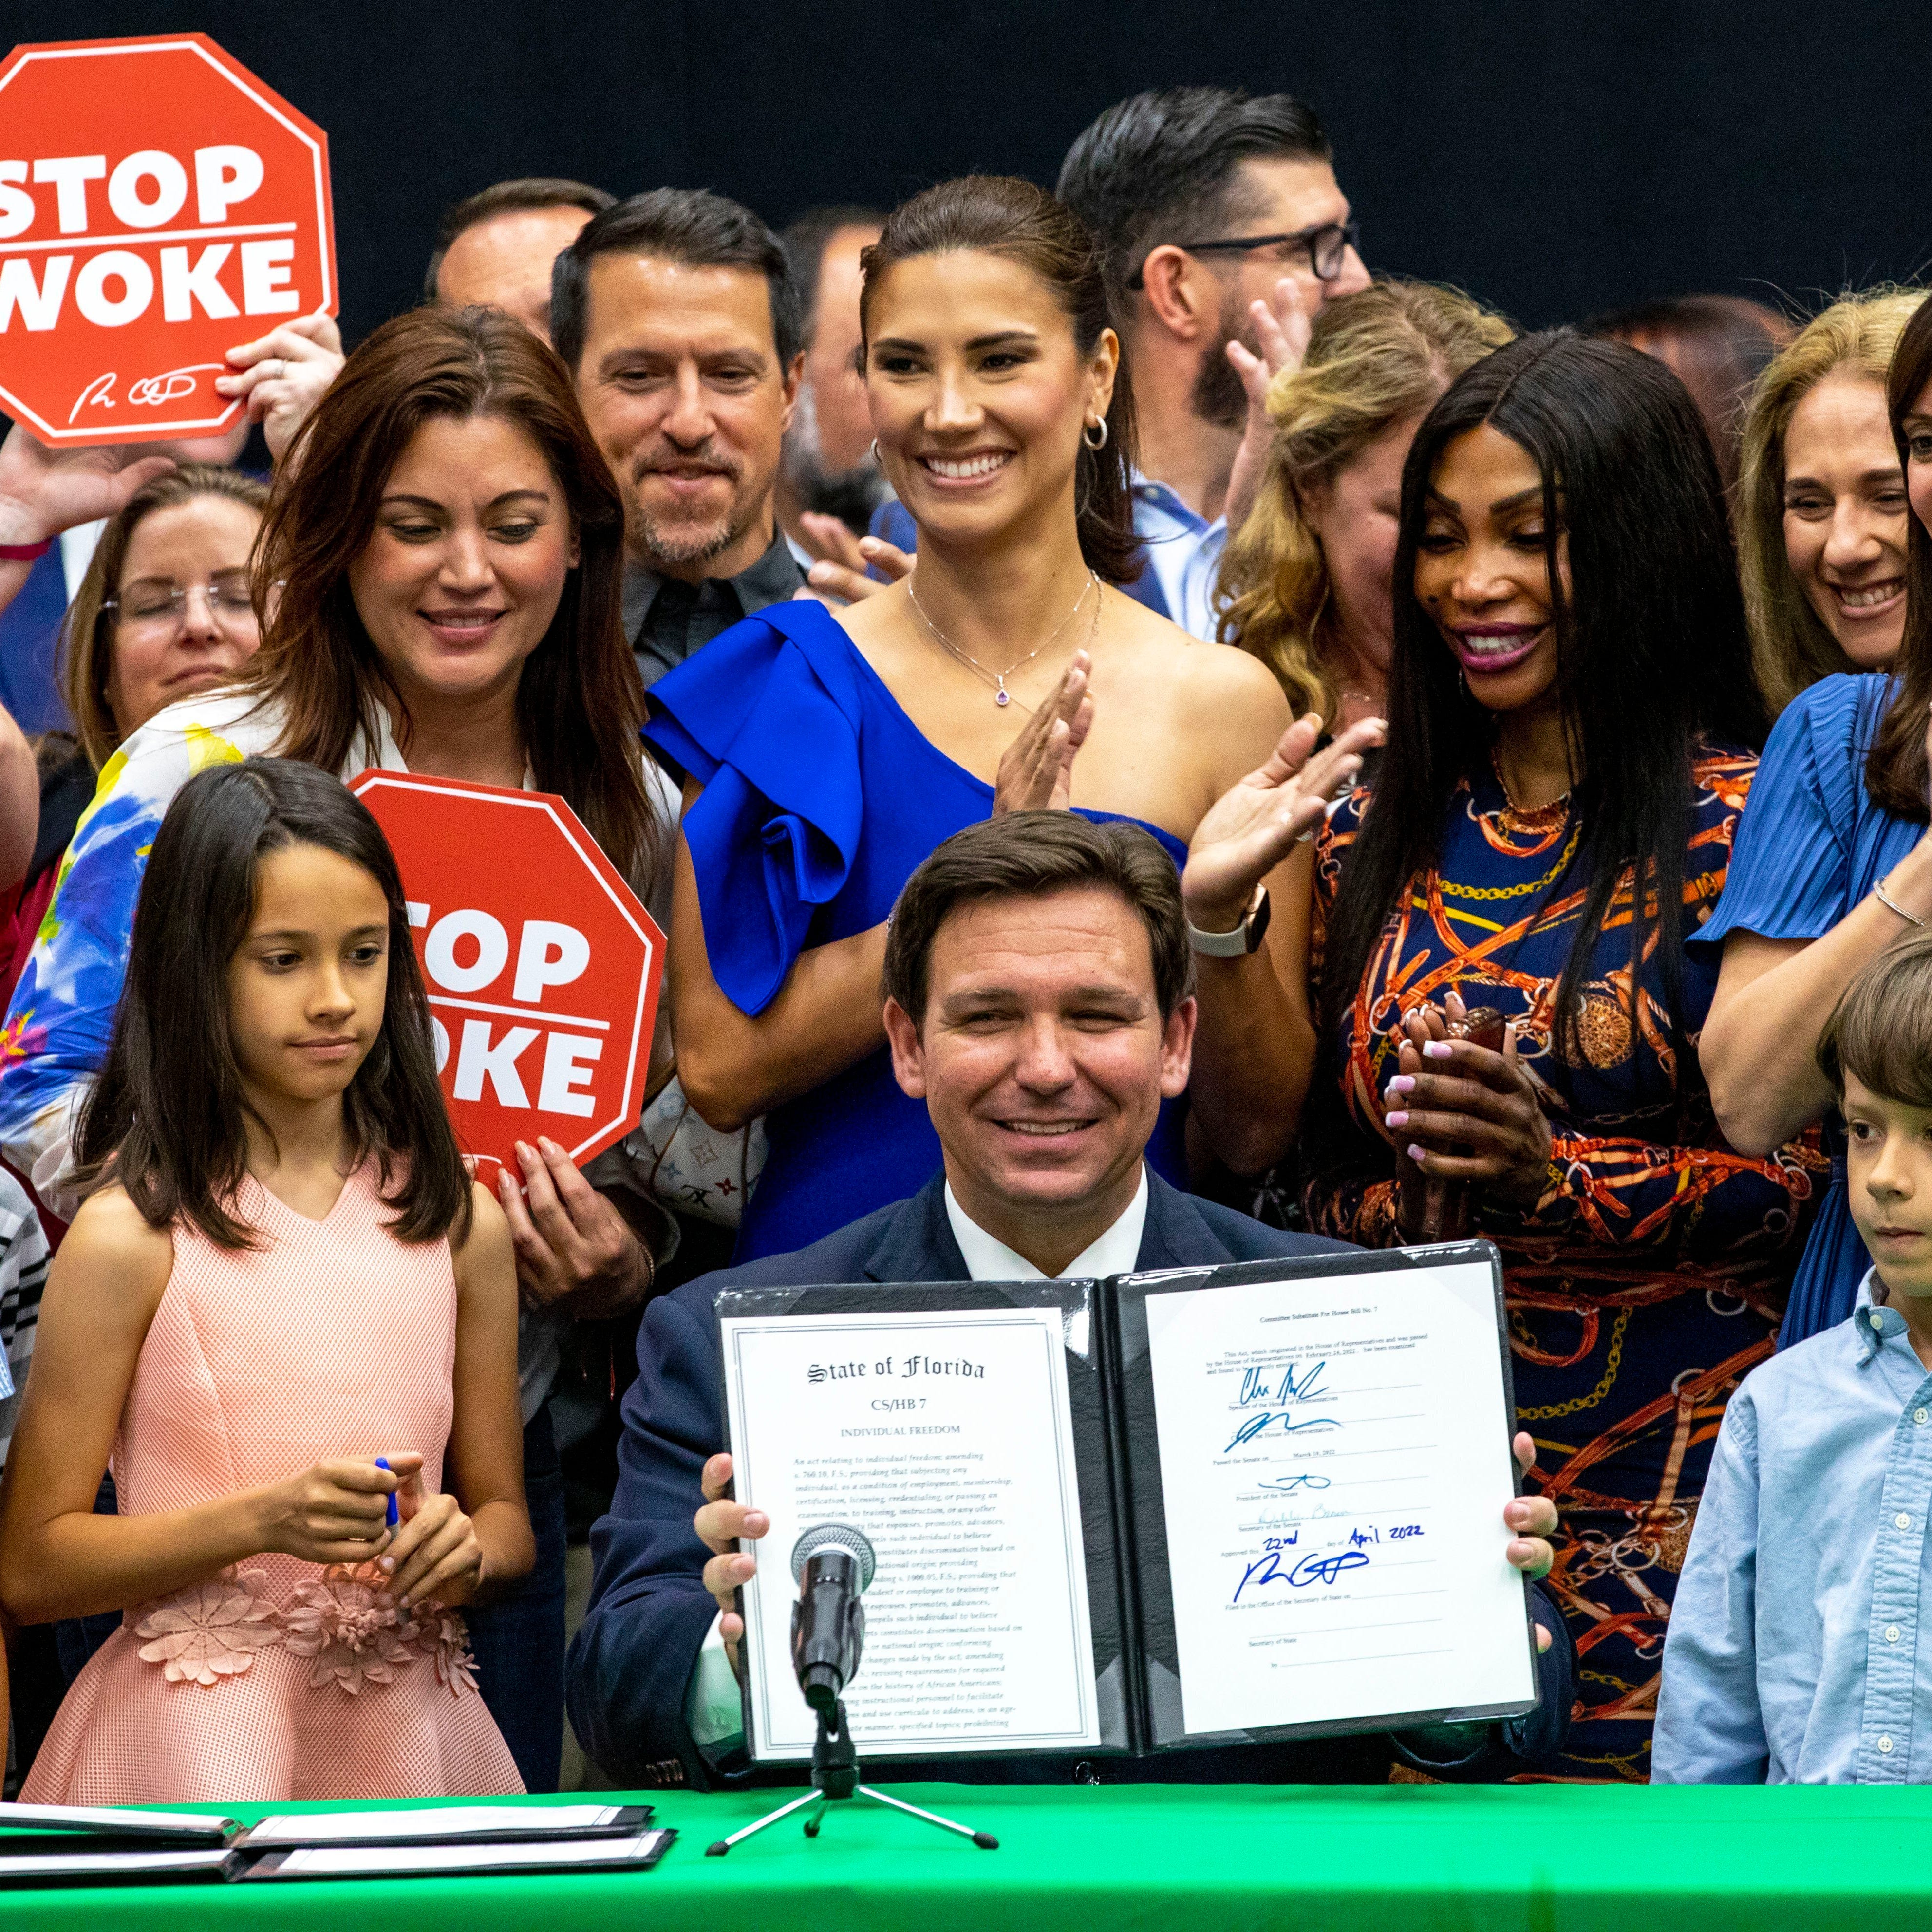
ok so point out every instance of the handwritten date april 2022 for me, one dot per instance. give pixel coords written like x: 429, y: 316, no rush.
x: 1316, y: 1567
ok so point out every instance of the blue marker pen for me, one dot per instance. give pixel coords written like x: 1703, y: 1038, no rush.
x: 394, y: 1516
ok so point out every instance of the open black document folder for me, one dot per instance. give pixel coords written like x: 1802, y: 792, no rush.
x: 1344, y: 1565
x: 59, y: 1845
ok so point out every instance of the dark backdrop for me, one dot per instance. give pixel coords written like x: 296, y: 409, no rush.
x: 1553, y: 157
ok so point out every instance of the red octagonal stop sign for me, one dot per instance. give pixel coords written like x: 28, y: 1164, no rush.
x: 542, y: 967
x: 158, y: 204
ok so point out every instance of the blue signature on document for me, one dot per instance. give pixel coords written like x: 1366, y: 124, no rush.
x: 1264, y: 1418
x: 1258, y: 1387
x: 1312, y: 1568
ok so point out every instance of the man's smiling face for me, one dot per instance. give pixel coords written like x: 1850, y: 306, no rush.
x: 1043, y: 1055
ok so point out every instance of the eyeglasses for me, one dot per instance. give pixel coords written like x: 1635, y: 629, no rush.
x: 155, y: 601
x: 1327, y: 247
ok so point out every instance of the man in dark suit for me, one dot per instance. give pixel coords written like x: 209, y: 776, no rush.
x: 1038, y: 982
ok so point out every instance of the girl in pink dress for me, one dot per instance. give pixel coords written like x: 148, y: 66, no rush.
x: 281, y: 1274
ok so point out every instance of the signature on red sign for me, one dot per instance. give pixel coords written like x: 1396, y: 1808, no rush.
x: 145, y: 391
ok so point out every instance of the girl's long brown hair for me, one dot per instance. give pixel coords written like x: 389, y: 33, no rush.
x: 168, y: 1117
x: 580, y: 701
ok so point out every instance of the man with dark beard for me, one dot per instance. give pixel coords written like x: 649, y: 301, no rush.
x: 677, y: 313
x: 1205, y: 202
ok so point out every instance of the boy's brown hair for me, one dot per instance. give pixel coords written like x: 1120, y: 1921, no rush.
x: 1880, y: 1031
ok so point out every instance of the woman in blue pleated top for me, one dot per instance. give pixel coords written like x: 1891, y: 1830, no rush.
x: 1832, y: 865
x: 823, y: 756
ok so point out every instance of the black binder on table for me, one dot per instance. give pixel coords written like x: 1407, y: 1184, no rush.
x: 1116, y: 1425
x: 62, y: 1845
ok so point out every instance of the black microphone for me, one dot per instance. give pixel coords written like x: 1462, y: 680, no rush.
x: 833, y: 1563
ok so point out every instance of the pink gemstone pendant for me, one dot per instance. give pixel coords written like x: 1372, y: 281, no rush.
x: 1000, y: 697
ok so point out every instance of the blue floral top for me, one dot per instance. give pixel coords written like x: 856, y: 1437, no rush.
x: 58, y: 1027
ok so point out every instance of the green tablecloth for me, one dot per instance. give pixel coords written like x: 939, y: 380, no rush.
x: 1542, y: 1859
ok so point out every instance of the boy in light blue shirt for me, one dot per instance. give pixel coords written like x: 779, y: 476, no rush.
x: 1792, y: 1655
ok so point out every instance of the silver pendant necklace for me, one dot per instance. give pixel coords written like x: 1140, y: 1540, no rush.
x: 997, y: 678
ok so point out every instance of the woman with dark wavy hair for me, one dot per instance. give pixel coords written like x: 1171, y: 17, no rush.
x: 825, y: 755
x: 1572, y: 730
x: 438, y: 575
x: 1834, y: 867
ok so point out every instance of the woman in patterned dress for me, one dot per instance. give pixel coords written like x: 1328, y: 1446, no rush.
x: 1571, y: 701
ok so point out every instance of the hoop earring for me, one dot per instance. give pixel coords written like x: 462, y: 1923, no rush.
x: 1092, y: 441
x: 876, y: 456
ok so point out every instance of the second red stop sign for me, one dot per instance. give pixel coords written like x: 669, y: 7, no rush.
x: 542, y: 967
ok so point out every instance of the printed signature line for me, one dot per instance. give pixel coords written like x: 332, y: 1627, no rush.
x: 1367, y: 1657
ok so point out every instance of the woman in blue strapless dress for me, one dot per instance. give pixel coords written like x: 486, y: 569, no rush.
x: 823, y: 757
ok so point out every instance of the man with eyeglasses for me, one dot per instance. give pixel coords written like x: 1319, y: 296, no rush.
x: 1206, y: 201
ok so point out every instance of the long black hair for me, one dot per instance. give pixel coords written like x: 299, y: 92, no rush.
x: 167, y: 1119
x: 1652, y: 653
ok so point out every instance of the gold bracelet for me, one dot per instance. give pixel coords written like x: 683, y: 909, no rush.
x: 1891, y: 905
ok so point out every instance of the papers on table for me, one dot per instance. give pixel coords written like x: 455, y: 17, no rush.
x: 945, y: 1438
x: 387, y: 1843
x: 25, y: 1868
x: 1333, y: 1466
x: 633, y: 1851
x: 443, y: 1825
x: 113, y: 1822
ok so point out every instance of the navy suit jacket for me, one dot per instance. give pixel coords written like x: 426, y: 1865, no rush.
x: 631, y: 1660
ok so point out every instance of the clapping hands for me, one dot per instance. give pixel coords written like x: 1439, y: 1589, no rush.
x: 1282, y: 327
x: 841, y: 572
x: 1462, y: 1112
x: 1258, y: 821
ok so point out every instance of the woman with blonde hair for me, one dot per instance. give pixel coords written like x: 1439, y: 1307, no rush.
x: 1821, y: 513
x: 163, y: 612
x: 1305, y: 583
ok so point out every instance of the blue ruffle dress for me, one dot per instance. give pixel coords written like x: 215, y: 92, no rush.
x: 1811, y: 845
x: 821, y: 798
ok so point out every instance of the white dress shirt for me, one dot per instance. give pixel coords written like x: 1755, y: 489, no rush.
x: 1117, y: 1252
x: 712, y: 1708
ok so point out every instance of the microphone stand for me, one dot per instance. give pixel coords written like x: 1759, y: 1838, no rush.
x: 834, y: 1776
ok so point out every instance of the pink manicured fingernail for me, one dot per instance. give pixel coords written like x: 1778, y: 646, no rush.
x: 388, y: 1562
x: 1435, y: 1049
x: 1392, y: 1121
x: 1416, y: 1153
x: 1402, y: 1083
x: 404, y: 1601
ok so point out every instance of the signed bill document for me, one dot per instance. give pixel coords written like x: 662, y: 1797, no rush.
x: 946, y: 1438
x: 1334, y: 1463
x: 1204, y: 1507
